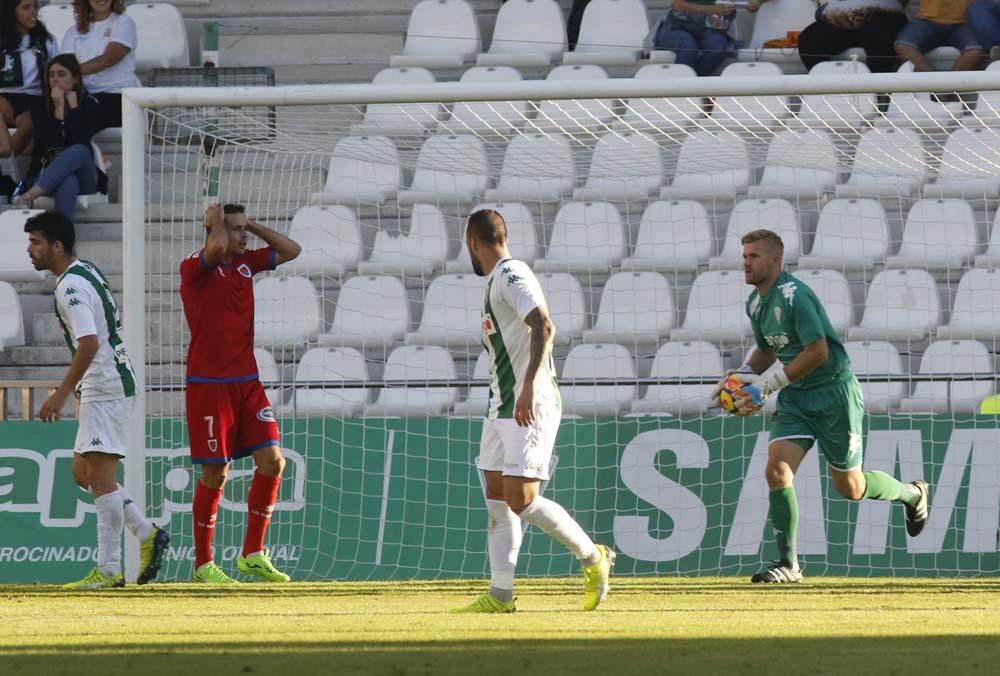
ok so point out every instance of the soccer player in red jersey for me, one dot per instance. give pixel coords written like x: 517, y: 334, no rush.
x: 228, y: 414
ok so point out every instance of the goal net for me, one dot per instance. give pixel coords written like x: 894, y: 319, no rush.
x: 629, y: 198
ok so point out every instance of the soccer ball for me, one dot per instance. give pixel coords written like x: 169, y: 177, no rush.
x: 734, y: 388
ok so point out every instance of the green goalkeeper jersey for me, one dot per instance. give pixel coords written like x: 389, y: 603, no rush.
x: 788, y: 318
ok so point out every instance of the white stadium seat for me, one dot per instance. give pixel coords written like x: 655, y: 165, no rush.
x: 902, y: 305
x: 326, y: 363
x: 940, y: 234
x: 774, y: 20
x: 15, y: 266
x: 878, y: 358
x: 270, y: 377
x: 976, y: 312
x: 440, y: 34
x: 372, y: 312
x: 663, y: 114
x: 674, y: 235
x: 739, y: 113
x: 419, y: 252
x: 834, y: 292
x: 952, y: 357
x: 331, y: 241
x: 161, y: 36
x: 920, y: 110
x: 841, y: 112
x: 11, y: 321
x: 522, y: 241
x: 611, y: 33
x: 801, y: 164
x: 625, y: 166
x: 363, y: 169
x: 637, y: 308
x: 57, y: 19
x: 711, y: 166
x: 286, y: 312
x: 970, y: 167
x: 991, y: 257
x: 527, y: 33
x: 487, y: 118
x: 449, y: 169
x: 536, y: 168
x: 587, y: 237
x: 754, y: 214
x: 602, y: 360
x: 888, y: 162
x: 452, y: 314
x: 852, y: 234
x: 400, y: 119
x: 415, y: 363
x: 571, y: 116
x: 988, y: 103
x: 688, y: 359
x: 475, y: 405
x: 716, y: 309
x: 567, y: 309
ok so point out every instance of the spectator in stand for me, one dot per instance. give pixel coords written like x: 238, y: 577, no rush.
x: 104, y: 41
x: 871, y: 25
x: 940, y: 23
x: 984, y: 18
x: 698, y: 32
x: 25, y: 47
x: 62, y: 162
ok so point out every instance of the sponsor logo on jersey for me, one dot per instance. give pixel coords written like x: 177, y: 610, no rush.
x: 244, y: 270
x: 776, y: 342
x: 266, y: 414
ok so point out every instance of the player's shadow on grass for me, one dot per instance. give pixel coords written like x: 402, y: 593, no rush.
x: 961, y: 655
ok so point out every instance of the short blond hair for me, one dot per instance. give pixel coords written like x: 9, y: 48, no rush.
x: 772, y: 238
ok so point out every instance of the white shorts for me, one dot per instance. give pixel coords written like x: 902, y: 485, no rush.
x: 520, y: 451
x: 104, y: 427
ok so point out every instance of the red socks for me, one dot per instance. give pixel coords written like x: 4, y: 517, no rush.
x: 206, y: 504
x: 260, y: 504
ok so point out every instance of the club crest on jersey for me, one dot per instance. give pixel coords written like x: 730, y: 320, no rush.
x: 213, y: 445
x: 244, y: 270
x: 266, y: 414
x: 488, y: 327
x: 777, y: 313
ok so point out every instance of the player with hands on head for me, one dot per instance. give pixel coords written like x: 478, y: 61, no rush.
x: 819, y: 401
x: 228, y: 414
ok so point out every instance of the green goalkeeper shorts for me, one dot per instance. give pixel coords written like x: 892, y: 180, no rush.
x: 830, y: 415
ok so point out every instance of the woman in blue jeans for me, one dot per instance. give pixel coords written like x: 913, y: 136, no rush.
x: 984, y: 20
x: 697, y: 31
x: 62, y: 163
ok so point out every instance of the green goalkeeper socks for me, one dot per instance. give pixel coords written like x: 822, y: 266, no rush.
x: 881, y: 486
x: 785, y: 521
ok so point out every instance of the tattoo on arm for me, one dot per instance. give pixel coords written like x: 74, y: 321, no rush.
x: 542, y: 334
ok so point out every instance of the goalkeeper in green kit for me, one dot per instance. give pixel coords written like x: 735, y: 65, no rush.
x: 819, y: 402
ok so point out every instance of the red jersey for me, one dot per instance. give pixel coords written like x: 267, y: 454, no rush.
x: 218, y: 306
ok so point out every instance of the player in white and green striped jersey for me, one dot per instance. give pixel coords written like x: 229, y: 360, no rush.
x: 520, y: 428
x: 101, y: 376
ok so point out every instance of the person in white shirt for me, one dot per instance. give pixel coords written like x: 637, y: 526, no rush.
x: 104, y: 40
x: 25, y: 47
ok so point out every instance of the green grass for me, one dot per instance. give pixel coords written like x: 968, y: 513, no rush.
x: 690, y: 626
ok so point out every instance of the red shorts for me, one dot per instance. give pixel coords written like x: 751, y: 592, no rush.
x: 228, y: 421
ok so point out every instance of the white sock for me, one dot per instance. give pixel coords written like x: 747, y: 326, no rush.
x: 503, y: 540
x: 136, y: 523
x: 556, y: 521
x: 109, y: 533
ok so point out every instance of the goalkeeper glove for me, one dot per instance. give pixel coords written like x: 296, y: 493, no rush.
x: 759, y: 387
x: 717, y: 390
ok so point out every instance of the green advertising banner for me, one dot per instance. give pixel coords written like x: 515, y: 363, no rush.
x: 375, y: 498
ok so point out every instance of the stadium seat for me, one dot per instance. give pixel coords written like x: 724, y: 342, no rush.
x: 372, y: 313
x: 331, y: 241
x: 970, y: 167
x: 57, y: 19
x: 773, y: 214
x: 286, y: 312
x: 952, y: 357
x: 522, y: 241
x: 328, y: 363
x: 477, y: 403
x: 674, y: 235
x: 988, y: 103
x: 11, y: 321
x: 449, y: 169
x: 976, y: 311
x: 611, y: 33
x: 774, y: 20
x: 902, y: 305
x: 487, y: 118
x: 161, y: 36
x: 567, y: 309
x: 834, y: 292
x: 878, y: 358
x: 440, y: 34
x: 852, y: 234
x: 625, y: 166
x: 15, y: 266
x: 527, y: 33
x: 716, y: 309
x: 920, y: 110
x: 267, y: 371
x: 991, y: 257
x: 572, y: 116
x: 741, y: 113
x: 601, y: 360
x: 839, y: 112
x: 661, y: 114
x: 453, y: 313
x: 939, y: 235
x: 536, y: 168
x: 801, y: 165
x: 711, y: 166
x: 400, y: 119
x: 420, y: 252
x: 587, y: 237
x: 688, y: 359
x: 415, y: 363
x: 637, y: 308
x: 888, y: 162
x: 363, y: 169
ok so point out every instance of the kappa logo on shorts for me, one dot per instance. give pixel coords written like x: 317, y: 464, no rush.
x: 266, y: 415
x: 244, y: 270
x: 96, y: 441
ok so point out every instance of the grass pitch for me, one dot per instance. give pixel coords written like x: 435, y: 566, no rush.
x: 689, y: 626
